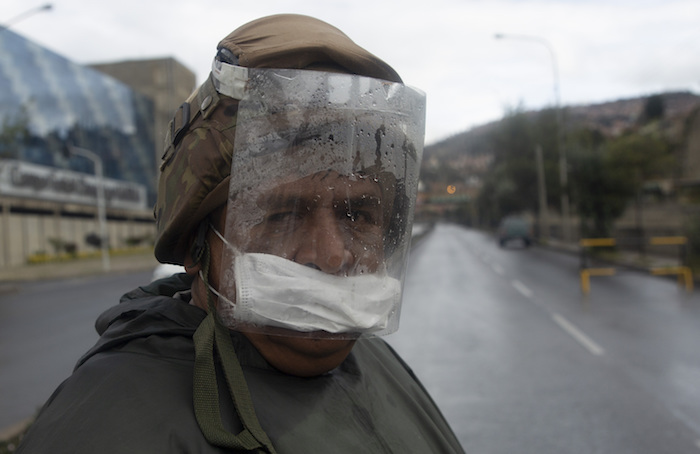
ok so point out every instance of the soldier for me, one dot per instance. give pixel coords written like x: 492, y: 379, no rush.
x: 287, y: 192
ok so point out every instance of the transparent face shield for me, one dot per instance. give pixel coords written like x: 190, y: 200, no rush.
x: 324, y: 179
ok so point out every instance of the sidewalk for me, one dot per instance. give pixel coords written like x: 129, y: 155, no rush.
x: 624, y: 258
x: 119, y: 263
x: 11, y: 277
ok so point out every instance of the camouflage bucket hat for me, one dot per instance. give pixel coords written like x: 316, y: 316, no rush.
x: 195, y: 172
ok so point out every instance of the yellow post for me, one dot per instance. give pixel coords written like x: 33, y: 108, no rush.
x: 684, y: 273
x: 688, y: 275
x: 585, y: 282
x: 586, y: 274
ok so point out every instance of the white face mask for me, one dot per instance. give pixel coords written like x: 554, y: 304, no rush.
x: 274, y: 291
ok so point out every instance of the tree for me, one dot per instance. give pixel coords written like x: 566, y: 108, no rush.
x: 646, y: 155
x: 511, y: 184
x: 600, y: 191
x: 606, y: 175
x: 654, y: 109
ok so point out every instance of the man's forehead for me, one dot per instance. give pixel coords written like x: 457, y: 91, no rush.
x: 327, y: 183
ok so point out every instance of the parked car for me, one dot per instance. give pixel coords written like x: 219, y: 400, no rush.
x: 515, y: 228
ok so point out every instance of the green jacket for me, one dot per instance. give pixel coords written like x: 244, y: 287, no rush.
x: 132, y: 393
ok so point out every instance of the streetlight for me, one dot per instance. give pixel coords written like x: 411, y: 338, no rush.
x: 563, y: 173
x: 26, y: 14
x: 101, y: 204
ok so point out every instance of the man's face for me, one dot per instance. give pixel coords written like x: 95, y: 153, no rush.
x: 326, y: 221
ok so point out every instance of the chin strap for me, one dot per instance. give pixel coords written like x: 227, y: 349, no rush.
x: 212, y: 339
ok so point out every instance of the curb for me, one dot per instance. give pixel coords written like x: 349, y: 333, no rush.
x: 122, y: 263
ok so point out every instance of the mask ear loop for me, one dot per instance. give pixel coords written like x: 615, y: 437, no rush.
x: 212, y: 337
x: 233, y: 248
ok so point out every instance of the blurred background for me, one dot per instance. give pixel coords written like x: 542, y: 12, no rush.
x: 557, y: 235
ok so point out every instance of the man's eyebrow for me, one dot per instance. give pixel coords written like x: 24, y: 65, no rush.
x: 280, y: 201
x: 364, y: 202
x: 277, y: 201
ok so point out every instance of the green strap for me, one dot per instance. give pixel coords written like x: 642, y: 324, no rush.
x: 211, y: 338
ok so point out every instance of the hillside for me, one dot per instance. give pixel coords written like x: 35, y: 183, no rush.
x: 623, y: 156
x: 610, y: 118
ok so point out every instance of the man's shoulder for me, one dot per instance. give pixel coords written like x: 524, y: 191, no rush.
x: 380, y: 351
x: 118, y: 393
x: 136, y: 380
x: 152, y: 319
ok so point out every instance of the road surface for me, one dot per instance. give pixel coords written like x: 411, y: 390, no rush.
x: 521, y: 363
x: 44, y: 328
x: 516, y: 358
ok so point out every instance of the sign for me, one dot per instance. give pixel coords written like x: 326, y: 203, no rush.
x: 21, y: 179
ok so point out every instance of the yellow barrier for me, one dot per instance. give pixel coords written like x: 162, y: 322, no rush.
x: 668, y: 241
x: 596, y: 242
x: 586, y: 274
x: 685, y: 275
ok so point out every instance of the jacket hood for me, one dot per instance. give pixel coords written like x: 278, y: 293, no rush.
x: 145, y: 311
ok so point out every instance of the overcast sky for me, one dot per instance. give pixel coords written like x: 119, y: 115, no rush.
x: 604, y: 49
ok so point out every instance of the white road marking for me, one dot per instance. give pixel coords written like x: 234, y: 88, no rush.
x: 519, y: 286
x: 577, y: 334
x: 697, y: 443
x: 497, y: 269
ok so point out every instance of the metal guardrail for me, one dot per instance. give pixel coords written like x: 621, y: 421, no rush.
x: 684, y: 273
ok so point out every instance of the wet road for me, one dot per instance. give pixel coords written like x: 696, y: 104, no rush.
x: 44, y: 328
x: 520, y: 362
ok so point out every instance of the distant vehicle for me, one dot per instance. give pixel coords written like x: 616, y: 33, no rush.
x: 166, y: 270
x: 515, y: 228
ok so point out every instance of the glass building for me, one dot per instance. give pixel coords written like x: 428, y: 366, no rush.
x: 47, y: 102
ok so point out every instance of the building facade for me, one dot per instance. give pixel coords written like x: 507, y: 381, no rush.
x: 48, y: 196
x: 165, y: 81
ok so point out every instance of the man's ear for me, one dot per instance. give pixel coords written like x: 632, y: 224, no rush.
x: 193, y: 257
x: 191, y: 267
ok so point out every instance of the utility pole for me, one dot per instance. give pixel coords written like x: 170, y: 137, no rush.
x: 542, y: 194
x: 101, y: 202
x: 563, y: 166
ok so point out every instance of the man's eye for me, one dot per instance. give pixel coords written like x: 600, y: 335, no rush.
x: 283, y: 217
x: 361, y: 216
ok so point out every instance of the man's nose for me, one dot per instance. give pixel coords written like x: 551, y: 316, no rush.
x: 324, y: 245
